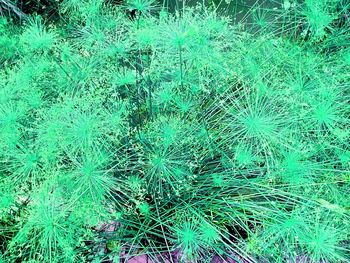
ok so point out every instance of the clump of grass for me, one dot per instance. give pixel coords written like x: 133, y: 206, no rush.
x: 127, y: 130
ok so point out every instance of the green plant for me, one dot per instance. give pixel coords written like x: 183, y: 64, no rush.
x: 129, y: 130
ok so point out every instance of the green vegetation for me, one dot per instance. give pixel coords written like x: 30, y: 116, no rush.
x: 126, y: 129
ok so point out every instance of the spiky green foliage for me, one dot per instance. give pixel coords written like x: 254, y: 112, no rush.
x: 128, y: 130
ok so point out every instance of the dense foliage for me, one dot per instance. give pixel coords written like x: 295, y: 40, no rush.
x: 128, y: 130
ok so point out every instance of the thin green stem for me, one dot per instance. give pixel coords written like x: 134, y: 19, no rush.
x: 181, y: 68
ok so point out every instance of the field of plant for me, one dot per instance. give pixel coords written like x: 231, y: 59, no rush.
x: 169, y: 131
